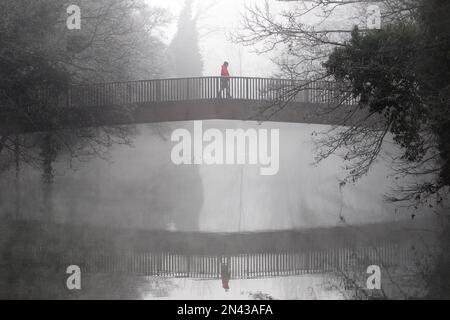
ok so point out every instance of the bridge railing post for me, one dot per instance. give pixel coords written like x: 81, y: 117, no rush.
x: 247, y: 88
x: 159, y: 258
x: 217, y: 87
x: 307, y: 93
x: 158, y: 91
x: 187, y: 89
x: 188, y: 267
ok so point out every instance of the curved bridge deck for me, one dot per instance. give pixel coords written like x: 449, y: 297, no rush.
x: 201, y: 88
x: 198, y: 255
x: 181, y: 99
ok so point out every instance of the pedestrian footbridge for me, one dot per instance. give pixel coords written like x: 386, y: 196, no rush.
x: 199, y: 255
x: 183, y: 99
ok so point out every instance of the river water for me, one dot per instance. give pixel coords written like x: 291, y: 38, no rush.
x: 138, y: 187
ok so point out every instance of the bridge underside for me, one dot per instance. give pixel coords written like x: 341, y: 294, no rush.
x: 230, y: 109
x: 24, y: 233
x: 149, y: 112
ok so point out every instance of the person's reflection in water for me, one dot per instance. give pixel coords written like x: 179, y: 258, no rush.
x: 225, y: 274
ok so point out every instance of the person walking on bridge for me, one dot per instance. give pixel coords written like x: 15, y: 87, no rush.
x: 224, y: 80
x: 225, y: 274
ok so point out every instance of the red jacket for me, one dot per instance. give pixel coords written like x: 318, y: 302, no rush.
x: 224, y: 72
x: 225, y: 275
x: 225, y: 284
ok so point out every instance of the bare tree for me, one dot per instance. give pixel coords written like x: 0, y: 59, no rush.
x: 305, y: 36
x: 41, y: 59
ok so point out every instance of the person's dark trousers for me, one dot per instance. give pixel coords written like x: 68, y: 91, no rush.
x: 224, y: 85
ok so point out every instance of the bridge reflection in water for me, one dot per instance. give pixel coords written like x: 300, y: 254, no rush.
x: 243, y: 266
x: 199, y: 255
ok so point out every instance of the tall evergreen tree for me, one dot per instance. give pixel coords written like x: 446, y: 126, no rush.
x: 186, y: 60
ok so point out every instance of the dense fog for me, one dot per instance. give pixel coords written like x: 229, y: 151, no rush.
x: 138, y: 186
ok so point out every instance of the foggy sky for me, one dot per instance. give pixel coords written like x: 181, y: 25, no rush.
x: 217, y: 19
x: 220, y: 18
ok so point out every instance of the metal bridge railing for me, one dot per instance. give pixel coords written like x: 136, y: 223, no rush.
x: 203, y: 88
x: 242, y: 266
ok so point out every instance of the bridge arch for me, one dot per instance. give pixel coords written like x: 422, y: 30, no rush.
x: 183, y: 99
